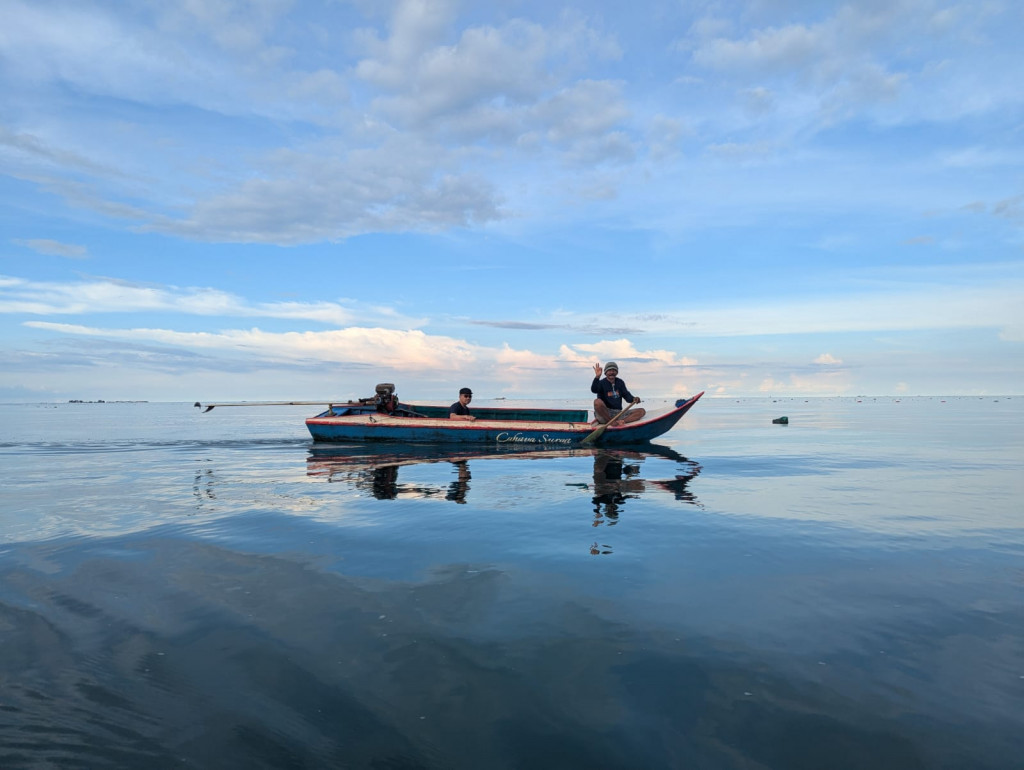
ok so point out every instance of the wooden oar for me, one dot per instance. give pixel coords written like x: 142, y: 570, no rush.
x: 278, y: 403
x: 602, y: 428
x: 298, y: 403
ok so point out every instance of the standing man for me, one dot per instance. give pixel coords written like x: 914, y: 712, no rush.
x: 460, y: 409
x: 610, y: 392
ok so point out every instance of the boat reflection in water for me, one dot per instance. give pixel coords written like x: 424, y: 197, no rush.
x: 612, y: 475
x: 374, y: 469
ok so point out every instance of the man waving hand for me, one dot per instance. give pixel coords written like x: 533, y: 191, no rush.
x: 610, y: 393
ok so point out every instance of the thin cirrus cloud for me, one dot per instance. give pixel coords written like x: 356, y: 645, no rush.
x: 149, y: 62
x: 54, y: 248
x: 926, y: 307
x: 587, y: 329
x: 107, y: 295
x: 886, y: 309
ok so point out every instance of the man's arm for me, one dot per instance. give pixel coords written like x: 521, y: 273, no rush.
x: 626, y: 395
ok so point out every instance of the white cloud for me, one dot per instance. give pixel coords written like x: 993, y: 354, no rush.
x: 1011, y: 208
x: 404, y: 349
x: 399, y: 186
x: 781, y: 50
x: 442, y: 80
x: 898, y: 63
x: 215, y: 56
x: 55, y: 248
x: 430, y: 99
x: 515, y: 76
x: 240, y: 26
x: 1012, y: 333
x: 824, y: 384
x: 827, y: 359
x: 623, y: 350
x: 86, y: 297
x: 431, y: 122
x: 26, y: 152
x: 901, y: 308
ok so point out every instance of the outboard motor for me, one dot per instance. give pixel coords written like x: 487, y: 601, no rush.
x: 385, y: 399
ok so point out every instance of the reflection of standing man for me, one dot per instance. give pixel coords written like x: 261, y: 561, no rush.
x: 610, y: 393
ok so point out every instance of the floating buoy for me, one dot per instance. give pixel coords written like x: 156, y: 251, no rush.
x: 780, y: 421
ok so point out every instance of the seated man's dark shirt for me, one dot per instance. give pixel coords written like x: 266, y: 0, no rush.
x: 612, y: 395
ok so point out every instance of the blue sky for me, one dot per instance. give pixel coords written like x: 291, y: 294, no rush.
x: 264, y: 199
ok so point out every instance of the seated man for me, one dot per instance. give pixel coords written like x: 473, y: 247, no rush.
x: 610, y: 392
x: 460, y: 409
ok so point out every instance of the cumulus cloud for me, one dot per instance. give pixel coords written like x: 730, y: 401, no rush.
x: 428, y: 80
x: 400, y: 350
x: 622, y: 350
x: 407, y: 349
x: 827, y: 359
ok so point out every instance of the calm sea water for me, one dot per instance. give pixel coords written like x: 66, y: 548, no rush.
x: 210, y: 590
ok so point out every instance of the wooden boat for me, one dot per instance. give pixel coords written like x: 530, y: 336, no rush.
x: 384, y: 418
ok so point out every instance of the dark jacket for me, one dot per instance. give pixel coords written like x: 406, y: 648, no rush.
x: 612, y: 395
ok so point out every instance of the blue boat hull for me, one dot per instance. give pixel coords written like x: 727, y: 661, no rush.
x: 367, y: 426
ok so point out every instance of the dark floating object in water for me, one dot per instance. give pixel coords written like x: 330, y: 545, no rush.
x: 780, y: 421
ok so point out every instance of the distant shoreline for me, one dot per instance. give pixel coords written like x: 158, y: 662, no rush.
x: 101, y: 401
